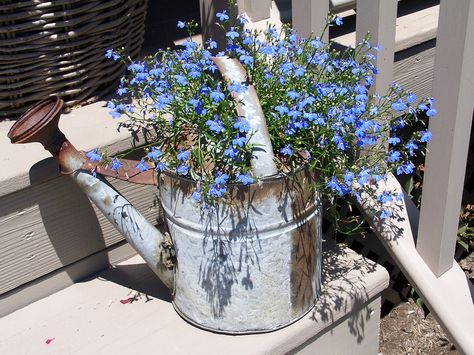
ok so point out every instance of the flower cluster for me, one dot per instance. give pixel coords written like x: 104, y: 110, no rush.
x: 317, y: 102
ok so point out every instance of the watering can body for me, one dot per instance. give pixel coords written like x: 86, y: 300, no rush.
x: 250, y: 264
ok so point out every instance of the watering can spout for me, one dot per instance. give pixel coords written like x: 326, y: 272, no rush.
x: 40, y: 124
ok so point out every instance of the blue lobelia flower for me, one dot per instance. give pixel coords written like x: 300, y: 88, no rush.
x: 182, y: 155
x: 241, y: 125
x: 142, y: 166
x: 222, y: 16
x: 181, y: 24
x: 232, y: 34
x: 160, y: 166
x: 215, y: 125
x: 426, y: 136
x: 93, y: 155
x: 393, y: 156
x: 230, y: 152
x: 411, y: 97
x: 115, y: 164
x: 398, y: 105
x: 182, y: 169
x: 239, y: 141
x: 394, y: 140
x: 154, y: 153
x: 338, y: 21
x: 217, y: 96
x: 196, y: 195
x: 221, y: 178
x: 406, y: 168
x: 431, y: 112
x: 245, y: 179
x: 286, y: 150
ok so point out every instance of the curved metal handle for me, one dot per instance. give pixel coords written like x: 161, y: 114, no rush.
x: 248, y: 107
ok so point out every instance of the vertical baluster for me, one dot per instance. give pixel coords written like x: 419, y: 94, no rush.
x: 258, y: 9
x: 208, y: 9
x: 378, y: 17
x: 453, y: 88
x: 310, y: 16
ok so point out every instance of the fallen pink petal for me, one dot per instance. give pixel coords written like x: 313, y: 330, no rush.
x: 49, y: 341
x: 126, y: 300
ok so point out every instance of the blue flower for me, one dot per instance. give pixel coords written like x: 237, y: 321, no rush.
x: 196, y: 195
x: 393, y: 140
x: 398, y: 105
x: 183, y: 155
x: 431, y: 112
x: 215, y: 125
x: 212, y: 44
x: 93, y: 155
x: 237, y: 87
x: 406, y: 168
x: 111, y: 54
x: 181, y: 24
x: 217, y: 96
x: 232, y: 34
x: 348, y: 177
x: 281, y: 109
x: 160, y: 166
x: 411, y: 146
x: 222, y: 16
x: 363, y: 177
x: 286, y: 150
x: 242, y: 126
x: 116, y: 164
x: 394, y: 156
x: 293, y: 94
x: 334, y: 185
x: 426, y: 136
x: 221, y: 178
x: 230, y: 152
x: 338, y: 21
x: 245, y: 179
x: 411, y: 98
x: 385, y: 197
x: 239, y: 141
x: 182, y: 169
x: 154, y: 153
x: 142, y: 166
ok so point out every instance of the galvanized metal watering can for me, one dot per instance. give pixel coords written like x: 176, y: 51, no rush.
x: 251, y: 265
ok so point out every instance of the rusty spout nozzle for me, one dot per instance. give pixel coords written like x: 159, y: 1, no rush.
x: 40, y: 124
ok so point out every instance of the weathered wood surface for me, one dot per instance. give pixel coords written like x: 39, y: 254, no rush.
x: 51, y: 225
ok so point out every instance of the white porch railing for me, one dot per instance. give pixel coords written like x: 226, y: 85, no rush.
x: 428, y: 263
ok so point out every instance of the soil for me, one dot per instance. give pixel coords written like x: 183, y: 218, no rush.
x: 406, y: 330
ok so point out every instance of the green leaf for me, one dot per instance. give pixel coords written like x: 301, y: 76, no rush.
x: 409, y: 186
x: 464, y: 245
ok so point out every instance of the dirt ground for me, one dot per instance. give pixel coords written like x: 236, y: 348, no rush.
x: 405, y: 330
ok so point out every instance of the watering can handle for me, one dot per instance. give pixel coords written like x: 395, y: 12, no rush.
x: 248, y: 107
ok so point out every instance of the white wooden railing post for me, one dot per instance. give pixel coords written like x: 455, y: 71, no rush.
x: 453, y: 88
x: 309, y: 16
x: 379, y: 17
x: 258, y: 9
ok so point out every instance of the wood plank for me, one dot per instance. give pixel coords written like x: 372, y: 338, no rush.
x: 88, y: 318
x: 66, y: 276
x: 411, y: 29
x: 413, y: 69
x: 51, y: 225
x: 445, y: 165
